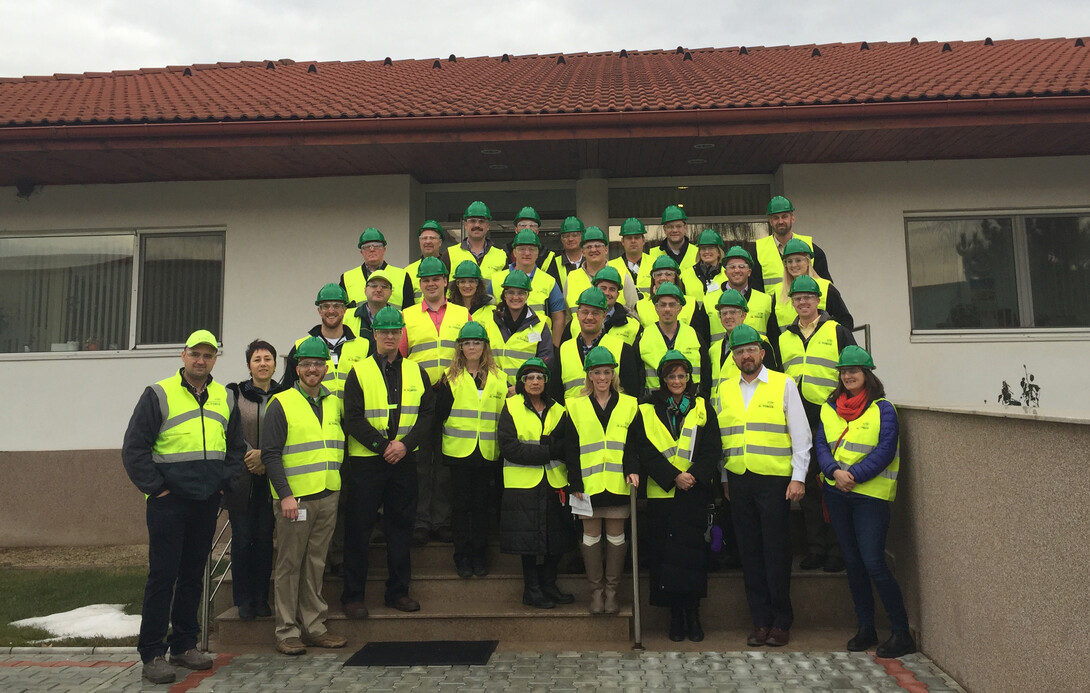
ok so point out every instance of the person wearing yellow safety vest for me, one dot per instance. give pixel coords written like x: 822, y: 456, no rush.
x: 469, y: 291
x: 634, y: 242
x: 358, y: 319
x: 388, y: 413
x: 345, y: 349
x: 545, y: 298
x: 528, y: 219
x: 738, y: 265
x: 602, y: 462
x: 810, y: 347
x: 857, y: 446
x: 680, y: 450
x: 534, y: 518
x: 571, y: 255
x: 569, y: 358
x: 429, y: 339
x: 183, y: 448
x: 707, y: 273
x: 664, y: 270
x: 768, y: 268
x: 766, y: 452
x: 515, y: 330
x: 468, y: 399
x: 475, y: 245
x: 668, y: 333
x: 796, y: 263
x: 732, y: 310
x: 674, y: 245
x: 303, y: 451
x: 429, y: 238
x: 618, y: 320
x: 372, y: 245
x: 595, y: 245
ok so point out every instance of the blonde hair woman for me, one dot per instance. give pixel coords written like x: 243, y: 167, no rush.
x: 798, y: 261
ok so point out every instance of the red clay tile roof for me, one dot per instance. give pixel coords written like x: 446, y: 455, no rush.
x: 703, y: 78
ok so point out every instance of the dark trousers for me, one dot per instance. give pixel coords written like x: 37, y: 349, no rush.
x: 252, y: 546
x: 820, y: 537
x: 469, y: 510
x: 371, y: 483
x: 433, y: 510
x: 760, y: 512
x: 180, y: 535
x: 861, y: 523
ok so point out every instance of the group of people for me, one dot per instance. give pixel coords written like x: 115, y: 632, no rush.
x: 684, y: 369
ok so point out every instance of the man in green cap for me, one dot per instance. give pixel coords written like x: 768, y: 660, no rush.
x: 476, y: 245
x: 429, y: 237
x: 738, y: 264
x: 569, y: 358
x: 571, y: 255
x: 183, y: 447
x: 372, y: 245
x: 768, y: 268
x: 634, y: 242
x: 345, y: 348
x: 675, y: 244
x: 545, y: 296
x: 528, y: 219
x: 595, y: 245
x: 618, y: 321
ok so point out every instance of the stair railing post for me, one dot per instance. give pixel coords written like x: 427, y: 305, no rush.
x: 636, y: 627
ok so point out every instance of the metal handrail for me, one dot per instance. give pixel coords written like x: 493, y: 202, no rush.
x: 636, y: 626
x: 209, y: 591
x: 866, y: 336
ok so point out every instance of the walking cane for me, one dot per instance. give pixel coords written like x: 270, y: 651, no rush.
x: 636, y: 630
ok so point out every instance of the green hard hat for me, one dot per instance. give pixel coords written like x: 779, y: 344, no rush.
x: 430, y: 224
x: 517, y: 279
x: 739, y: 251
x: 467, y: 269
x: 572, y: 225
x: 389, y: 318
x: 527, y: 213
x: 710, y: 237
x: 664, y: 262
x: 599, y: 356
x: 804, y: 285
x: 593, y: 233
x: 668, y: 289
x: 744, y: 334
x: 532, y: 364
x: 431, y: 267
x: 855, y: 356
x: 780, y: 204
x: 370, y: 235
x: 526, y: 237
x: 673, y: 213
x: 674, y: 356
x: 312, y: 348
x: 472, y: 330
x: 633, y: 227
x: 331, y: 292
x: 607, y: 274
x: 732, y: 297
x: 477, y: 209
x: 593, y: 297
x: 796, y: 246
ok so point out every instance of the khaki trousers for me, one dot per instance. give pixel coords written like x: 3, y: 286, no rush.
x: 300, y: 562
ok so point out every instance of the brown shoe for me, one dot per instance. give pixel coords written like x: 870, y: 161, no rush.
x: 355, y: 611
x: 405, y: 603
x: 290, y: 646
x: 758, y: 637
x: 778, y: 637
x: 327, y: 640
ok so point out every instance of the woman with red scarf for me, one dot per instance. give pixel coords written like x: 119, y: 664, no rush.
x: 857, y: 448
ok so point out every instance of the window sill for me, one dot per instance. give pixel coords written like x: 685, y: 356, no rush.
x: 141, y: 353
x: 1032, y: 334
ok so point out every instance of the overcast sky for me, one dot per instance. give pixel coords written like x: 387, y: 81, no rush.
x: 42, y: 37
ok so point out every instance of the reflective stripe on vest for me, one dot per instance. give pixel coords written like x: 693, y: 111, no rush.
x: 577, y: 282
x: 529, y: 429
x: 813, y: 365
x: 474, y: 416
x: 355, y: 284
x: 511, y: 353
x: 572, y: 374
x: 433, y: 349
x: 352, y: 351
x: 678, y: 453
x: 653, y: 348
x: 861, y: 439
x: 696, y: 289
x: 601, y: 450
x: 760, y: 307
x: 785, y: 310
x: 768, y: 255
x: 312, y: 452
x: 376, y: 402
x: 627, y: 331
x: 643, y: 279
x: 541, y: 285
x: 190, y: 431
x: 493, y: 262
x: 755, y: 439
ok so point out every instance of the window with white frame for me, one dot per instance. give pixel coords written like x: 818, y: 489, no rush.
x: 999, y: 271
x: 75, y: 291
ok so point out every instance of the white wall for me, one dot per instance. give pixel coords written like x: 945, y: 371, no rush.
x: 284, y: 239
x: 856, y: 213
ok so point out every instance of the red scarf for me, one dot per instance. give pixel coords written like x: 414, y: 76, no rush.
x: 851, y: 408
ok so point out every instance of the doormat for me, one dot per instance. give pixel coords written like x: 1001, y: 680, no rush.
x: 423, y: 654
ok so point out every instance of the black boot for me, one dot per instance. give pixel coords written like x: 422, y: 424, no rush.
x: 548, y: 582
x: 693, y: 629
x: 865, y: 639
x: 531, y: 586
x: 898, y: 645
x: 677, y: 623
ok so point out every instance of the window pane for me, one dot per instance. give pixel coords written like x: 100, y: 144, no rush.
x: 181, y: 286
x: 697, y: 201
x: 1059, y: 270
x: 65, y: 293
x: 962, y: 274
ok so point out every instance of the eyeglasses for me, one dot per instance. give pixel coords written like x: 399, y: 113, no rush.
x: 803, y: 298
x: 533, y: 378
x: 737, y: 266
x: 676, y: 377
x: 372, y: 246
x: 732, y: 312
x: 527, y: 225
x: 379, y: 285
x: 330, y: 305
x: 746, y: 350
x: 472, y: 342
x: 311, y: 365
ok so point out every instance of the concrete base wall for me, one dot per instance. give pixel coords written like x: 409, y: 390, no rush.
x: 991, y: 536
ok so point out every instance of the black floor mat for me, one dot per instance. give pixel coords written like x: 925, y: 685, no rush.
x: 423, y: 654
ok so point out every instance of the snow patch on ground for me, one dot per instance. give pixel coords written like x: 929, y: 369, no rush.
x: 94, y: 621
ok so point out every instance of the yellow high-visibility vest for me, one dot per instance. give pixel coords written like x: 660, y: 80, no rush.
x: 860, y: 441
x: 376, y: 400
x: 813, y: 365
x: 474, y: 416
x: 514, y: 351
x: 313, y: 451
x: 541, y: 285
x: 352, y: 352
x: 601, y: 450
x: 491, y: 264
x: 529, y: 428
x: 190, y: 431
x: 355, y: 284
x: 755, y: 439
x: 760, y: 307
x: 645, y: 310
x: 573, y: 375
x: 785, y: 310
x: 679, y: 453
x: 653, y: 348
x: 768, y: 255
x: 578, y: 281
x: 433, y: 349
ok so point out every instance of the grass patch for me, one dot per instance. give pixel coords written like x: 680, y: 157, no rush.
x: 31, y: 592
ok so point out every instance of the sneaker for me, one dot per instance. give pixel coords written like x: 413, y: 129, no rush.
x: 327, y: 640
x: 192, y: 659
x: 291, y: 646
x: 158, y: 671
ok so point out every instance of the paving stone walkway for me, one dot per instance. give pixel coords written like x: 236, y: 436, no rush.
x: 563, y: 672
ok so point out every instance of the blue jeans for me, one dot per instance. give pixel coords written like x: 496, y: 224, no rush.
x: 861, y: 523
